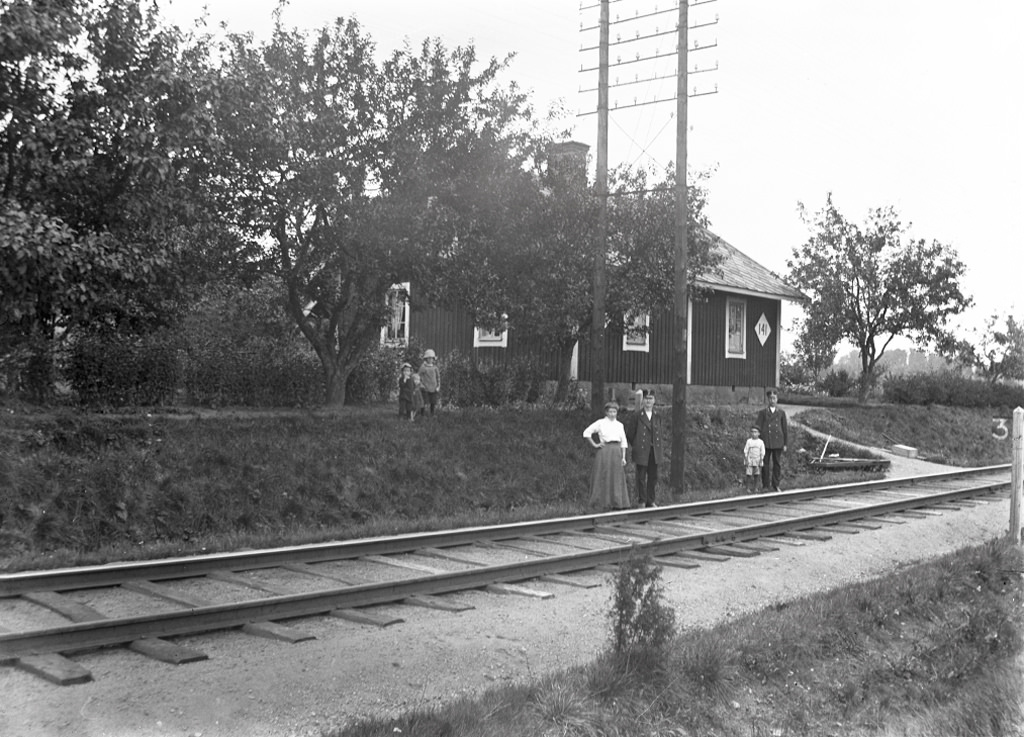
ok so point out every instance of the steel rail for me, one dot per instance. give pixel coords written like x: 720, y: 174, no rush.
x: 84, y: 577
x: 88, y: 635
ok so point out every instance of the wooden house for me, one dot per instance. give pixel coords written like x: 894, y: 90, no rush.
x: 733, y: 337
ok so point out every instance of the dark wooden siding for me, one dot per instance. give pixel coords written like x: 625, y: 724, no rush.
x: 708, y: 364
x: 446, y: 330
x: 653, y: 367
x: 441, y: 329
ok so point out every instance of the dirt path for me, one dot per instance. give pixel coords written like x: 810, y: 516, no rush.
x: 899, y: 466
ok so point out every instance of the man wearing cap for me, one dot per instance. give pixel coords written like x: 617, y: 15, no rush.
x: 644, y: 431
x: 774, y: 427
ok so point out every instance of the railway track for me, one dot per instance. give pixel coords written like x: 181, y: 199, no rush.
x: 48, y: 616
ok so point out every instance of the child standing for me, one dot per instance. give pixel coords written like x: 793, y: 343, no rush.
x: 753, y: 460
x: 430, y: 378
x: 406, y: 387
x: 417, y: 397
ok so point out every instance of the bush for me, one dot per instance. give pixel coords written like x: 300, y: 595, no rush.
x: 950, y: 389
x: 640, y: 619
x: 838, y: 383
x: 260, y: 373
x: 375, y: 377
x: 241, y: 349
x: 795, y: 376
x: 119, y: 370
x: 467, y: 383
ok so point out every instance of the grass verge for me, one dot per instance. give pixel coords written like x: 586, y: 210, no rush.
x: 930, y: 650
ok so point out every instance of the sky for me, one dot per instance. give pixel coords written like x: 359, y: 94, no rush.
x: 916, y: 104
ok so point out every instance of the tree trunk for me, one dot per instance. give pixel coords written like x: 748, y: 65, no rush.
x: 564, y: 370
x: 867, y: 367
x: 335, y: 379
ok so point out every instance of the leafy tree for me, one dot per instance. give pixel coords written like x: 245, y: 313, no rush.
x: 347, y: 171
x: 642, y: 241
x: 530, y: 269
x: 816, y: 345
x: 870, y: 284
x: 522, y: 257
x: 296, y: 118
x: 997, y: 354
x: 96, y: 140
x: 50, y: 276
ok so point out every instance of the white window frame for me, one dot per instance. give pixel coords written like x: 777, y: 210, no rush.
x: 742, y: 303
x: 633, y: 338
x: 488, y: 338
x: 403, y: 337
x: 485, y: 338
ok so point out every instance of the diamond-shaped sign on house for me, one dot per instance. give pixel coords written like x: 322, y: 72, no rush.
x: 763, y: 329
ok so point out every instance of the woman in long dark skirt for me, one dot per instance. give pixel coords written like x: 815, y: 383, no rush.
x: 608, y: 476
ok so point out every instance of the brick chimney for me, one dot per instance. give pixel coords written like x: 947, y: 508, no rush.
x: 567, y: 163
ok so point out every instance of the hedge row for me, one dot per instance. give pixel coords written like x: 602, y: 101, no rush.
x: 118, y: 370
x: 466, y: 383
x: 950, y: 389
x: 160, y: 369
x: 262, y: 373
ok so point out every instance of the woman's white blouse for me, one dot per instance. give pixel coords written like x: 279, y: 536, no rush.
x: 609, y: 431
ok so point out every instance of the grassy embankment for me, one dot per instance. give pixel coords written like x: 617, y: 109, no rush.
x: 91, y: 488
x: 950, y: 435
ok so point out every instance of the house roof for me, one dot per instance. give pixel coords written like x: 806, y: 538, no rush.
x: 740, y: 273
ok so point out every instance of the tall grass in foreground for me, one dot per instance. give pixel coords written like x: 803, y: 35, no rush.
x: 927, y: 651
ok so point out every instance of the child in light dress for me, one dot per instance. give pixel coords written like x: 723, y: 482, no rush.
x: 753, y: 460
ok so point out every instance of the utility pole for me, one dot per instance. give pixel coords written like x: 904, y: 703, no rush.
x: 680, y: 312
x: 597, y: 346
x: 680, y: 307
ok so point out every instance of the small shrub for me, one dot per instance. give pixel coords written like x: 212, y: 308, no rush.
x: 375, y: 377
x: 838, y: 383
x: 795, y: 376
x: 640, y: 619
x: 710, y: 664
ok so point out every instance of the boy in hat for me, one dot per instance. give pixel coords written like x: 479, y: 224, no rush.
x: 406, y: 386
x: 430, y: 381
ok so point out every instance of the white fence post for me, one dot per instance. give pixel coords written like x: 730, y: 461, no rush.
x: 1017, y: 475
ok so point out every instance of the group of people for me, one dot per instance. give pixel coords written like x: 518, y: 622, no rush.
x: 762, y: 453
x: 419, y: 390
x: 640, y: 438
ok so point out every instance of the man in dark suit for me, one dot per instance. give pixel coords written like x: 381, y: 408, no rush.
x: 644, y: 431
x: 771, y: 422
